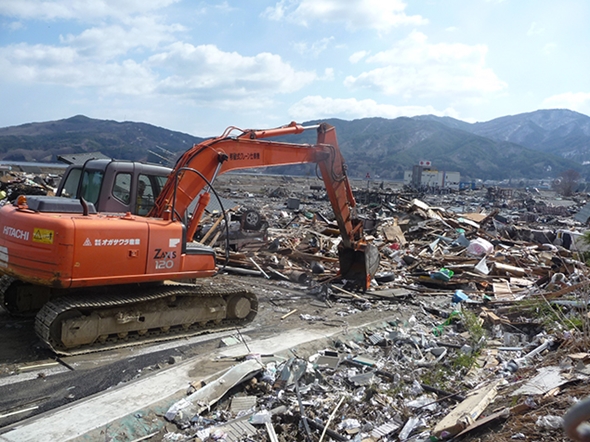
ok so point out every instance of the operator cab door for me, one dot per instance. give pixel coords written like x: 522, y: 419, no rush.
x: 148, y: 188
x: 134, y: 187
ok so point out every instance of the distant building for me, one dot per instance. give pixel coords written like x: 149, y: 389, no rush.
x: 424, y: 175
x: 5, y: 170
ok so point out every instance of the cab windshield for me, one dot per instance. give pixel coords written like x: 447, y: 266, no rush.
x: 91, y: 184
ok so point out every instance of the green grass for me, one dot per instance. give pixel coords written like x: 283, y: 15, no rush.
x: 473, y: 326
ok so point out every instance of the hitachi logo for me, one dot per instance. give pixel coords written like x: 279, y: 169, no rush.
x: 16, y: 233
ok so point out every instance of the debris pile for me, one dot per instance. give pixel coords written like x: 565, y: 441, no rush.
x: 14, y: 184
x: 396, y: 382
x: 497, y: 346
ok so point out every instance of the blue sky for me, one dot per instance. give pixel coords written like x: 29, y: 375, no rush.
x: 198, y: 67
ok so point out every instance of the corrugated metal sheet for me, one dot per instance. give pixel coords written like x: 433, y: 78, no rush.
x: 237, y: 430
x: 385, y: 429
x: 242, y: 403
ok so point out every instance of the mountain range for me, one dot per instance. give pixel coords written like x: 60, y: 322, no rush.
x: 535, y: 145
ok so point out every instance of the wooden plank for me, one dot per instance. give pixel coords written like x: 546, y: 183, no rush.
x: 494, y: 318
x: 467, y: 411
x: 354, y: 295
x: 310, y: 257
x: 521, y: 282
x: 477, y: 217
x: 505, y: 269
x: 390, y: 293
x: 495, y: 417
x: 566, y: 290
x: 502, y: 291
x: 215, y: 238
x: 393, y: 233
x: 492, y: 418
x: 289, y: 314
x: 212, y: 229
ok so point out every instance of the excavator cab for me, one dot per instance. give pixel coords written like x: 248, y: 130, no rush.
x: 115, y: 186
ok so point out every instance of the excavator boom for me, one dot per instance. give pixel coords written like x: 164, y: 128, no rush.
x: 199, y: 166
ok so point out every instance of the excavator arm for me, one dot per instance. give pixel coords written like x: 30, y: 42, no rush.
x: 196, y: 170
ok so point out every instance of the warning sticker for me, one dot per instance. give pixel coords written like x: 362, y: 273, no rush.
x: 43, y: 236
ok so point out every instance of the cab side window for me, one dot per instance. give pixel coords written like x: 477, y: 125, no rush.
x: 145, y: 195
x: 70, y: 187
x: 122, y: 187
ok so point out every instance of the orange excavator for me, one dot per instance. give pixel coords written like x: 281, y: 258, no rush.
x: 111, y: 259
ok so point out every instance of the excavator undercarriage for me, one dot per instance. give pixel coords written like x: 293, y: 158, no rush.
x: 83, y: 323
x: 98, y: 319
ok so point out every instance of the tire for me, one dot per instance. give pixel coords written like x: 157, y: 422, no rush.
x: 251, y: 220
x: 385, y: 277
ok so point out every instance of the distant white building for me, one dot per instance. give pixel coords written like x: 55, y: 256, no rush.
x: 5, y: 170
x: 425, y: 175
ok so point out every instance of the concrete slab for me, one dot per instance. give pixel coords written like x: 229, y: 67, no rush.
x: 128, y: 403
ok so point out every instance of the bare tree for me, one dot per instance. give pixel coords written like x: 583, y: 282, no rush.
x: 566, y: 183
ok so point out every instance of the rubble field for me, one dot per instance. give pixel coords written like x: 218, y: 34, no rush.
x: 480, y: 331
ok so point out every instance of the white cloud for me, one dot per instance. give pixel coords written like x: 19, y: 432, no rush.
x: 212, y: 9
x: 358, y: 56
x: 276, y: 12
x: 328, y: 74
x: 64, y: 66
x: 82, y: 10
x: 225, y: 7
x: 376, y: 14
x: 207, y: 73
x: 14, y: 26
x: 96, y: 58
x: 115, y: 40
x: 535, y: 29
x: 577, y: 101
x: 317, y: 107
x: 202, y: 74
x: 314, y: 49
x: 248, y: 103
x: 414, y: 67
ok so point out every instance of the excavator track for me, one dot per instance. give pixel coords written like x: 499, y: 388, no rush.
x: 22, y: 299
x: 5, y: 282
x: 80, y: 324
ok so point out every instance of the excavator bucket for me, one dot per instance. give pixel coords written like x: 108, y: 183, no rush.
x: 358, y: 267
